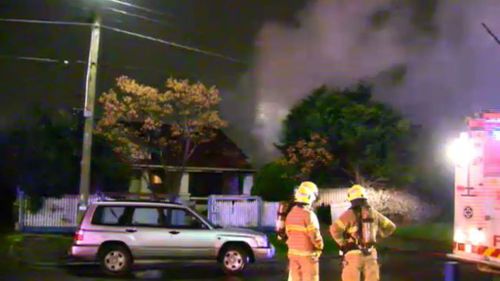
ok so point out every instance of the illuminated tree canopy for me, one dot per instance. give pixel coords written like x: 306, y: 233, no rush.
x: 370, y: 142
x: 170, y: 122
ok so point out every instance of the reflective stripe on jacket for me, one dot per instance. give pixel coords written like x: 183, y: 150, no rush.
x: 345, y: 229
x: 302, y: 229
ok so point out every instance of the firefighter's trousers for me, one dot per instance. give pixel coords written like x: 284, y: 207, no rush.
x: 356, y: 264
x: 303, y: 268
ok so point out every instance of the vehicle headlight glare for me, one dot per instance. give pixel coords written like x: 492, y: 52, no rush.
x: 262, y: 241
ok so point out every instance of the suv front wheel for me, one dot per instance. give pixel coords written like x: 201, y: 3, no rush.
x: 234, y: 260
x: 115, y: 260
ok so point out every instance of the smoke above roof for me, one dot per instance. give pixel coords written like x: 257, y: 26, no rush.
x: 431, y: 59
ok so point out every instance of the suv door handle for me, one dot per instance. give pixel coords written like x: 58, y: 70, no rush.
x: 131, y: 230
x: 174, y: 232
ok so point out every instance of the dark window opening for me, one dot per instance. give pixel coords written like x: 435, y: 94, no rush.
x: 110, y: 215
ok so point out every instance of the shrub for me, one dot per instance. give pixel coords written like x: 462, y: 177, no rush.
x: 272, y: 183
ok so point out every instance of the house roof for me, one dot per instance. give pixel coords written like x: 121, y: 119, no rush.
x: 220, y: 154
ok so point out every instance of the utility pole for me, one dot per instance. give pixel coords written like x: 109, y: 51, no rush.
x: 88, y: 114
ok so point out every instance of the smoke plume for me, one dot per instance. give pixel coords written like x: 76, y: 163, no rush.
x: 430, y: 59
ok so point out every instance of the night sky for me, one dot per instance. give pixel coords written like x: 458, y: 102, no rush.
x: 430, y: 59
x: 227, y: 27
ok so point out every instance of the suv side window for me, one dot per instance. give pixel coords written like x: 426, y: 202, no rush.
x: 148, y: 216
x: 181, y: 218
x: 110, y: 215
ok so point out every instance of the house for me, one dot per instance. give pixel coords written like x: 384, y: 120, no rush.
x: 216, y: 167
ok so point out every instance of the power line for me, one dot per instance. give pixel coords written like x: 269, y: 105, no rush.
x: 173, y: 44
x: 491, y: 33
x: 118, y: 30
x: 50, y: 22
x: 137, y: 7
x: 41, y: 59
x: 82, y: 62
x: 122, y: 12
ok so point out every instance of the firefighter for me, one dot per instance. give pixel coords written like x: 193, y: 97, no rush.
x: 304, y: 239
x: 356, y: 231
x: 283, y: 210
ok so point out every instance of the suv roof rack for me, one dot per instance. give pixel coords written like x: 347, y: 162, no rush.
x: 139, y: 201
x: 102, y: 197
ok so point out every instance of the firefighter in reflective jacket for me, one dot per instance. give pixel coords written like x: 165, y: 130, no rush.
x: 304, y: 239
x: 356, y: 231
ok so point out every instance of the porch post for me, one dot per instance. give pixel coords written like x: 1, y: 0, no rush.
x: 184, y: 190
x: 144, y: 182
x: 21, y: 201
x: 247, y: 184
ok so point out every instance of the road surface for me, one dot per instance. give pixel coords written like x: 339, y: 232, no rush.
x: 396, y: 266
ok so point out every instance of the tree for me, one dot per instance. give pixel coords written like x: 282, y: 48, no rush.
x: 304, y: 156
x: 171, y: 122
x: 273, y: 182
x: 371, y: 142
x: 46, y: 154
x: 44, y: 157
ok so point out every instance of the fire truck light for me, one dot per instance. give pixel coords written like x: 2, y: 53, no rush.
x: 496, y: 135
x: 459, y: 236
x: 476, y: 236
x: 468, y: 248
x: 461, y: 151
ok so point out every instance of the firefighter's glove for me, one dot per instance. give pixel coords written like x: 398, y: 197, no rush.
x: 316, y: 255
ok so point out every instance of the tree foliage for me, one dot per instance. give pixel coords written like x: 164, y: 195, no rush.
x: 371, y: 142
x: 304, y: 156
x: 273, y: 182
x: 44, y: 157
x: 46, y: 154
x: 141, y: 120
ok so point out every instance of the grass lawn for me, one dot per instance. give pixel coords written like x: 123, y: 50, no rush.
x: 437, y: 235
x: 36, y: 248
x: 438, y: 232
x: 7, y: 263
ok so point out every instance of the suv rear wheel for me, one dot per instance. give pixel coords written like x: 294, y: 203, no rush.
x: 234, y: 260
x: 115, y: 260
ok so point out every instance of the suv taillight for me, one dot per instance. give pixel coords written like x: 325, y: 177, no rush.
x: 78, y: 236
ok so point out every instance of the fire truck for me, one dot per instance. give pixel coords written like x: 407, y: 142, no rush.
x: 476, y: 156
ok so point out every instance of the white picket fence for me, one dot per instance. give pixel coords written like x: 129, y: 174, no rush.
x: 226, y: 211
x: 241, y: 211
x: 251, y: 211
x: 332, y: 196
x: 55, y: 213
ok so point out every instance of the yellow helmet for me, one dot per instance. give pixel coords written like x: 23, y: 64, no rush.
x: 356, y: 192
x: 306, y: 193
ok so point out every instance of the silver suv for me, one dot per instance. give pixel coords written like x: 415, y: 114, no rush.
x: 118, y: 233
